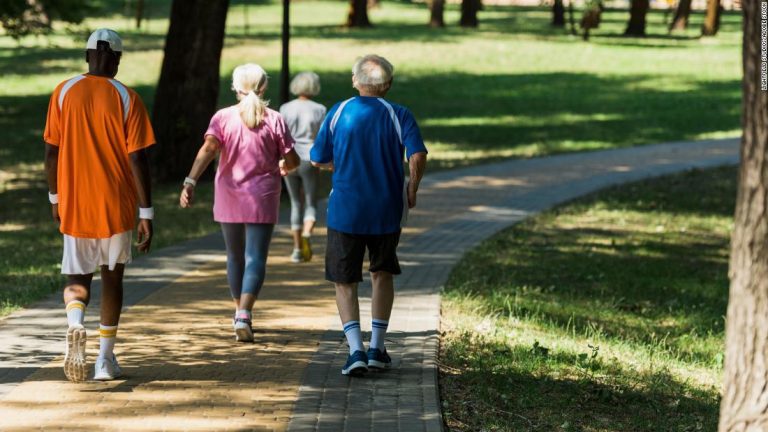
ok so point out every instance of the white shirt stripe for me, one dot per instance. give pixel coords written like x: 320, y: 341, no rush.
x: 68, y: 85
x: 337, y: 114
x: 124, y: 96
x: 394, y: 119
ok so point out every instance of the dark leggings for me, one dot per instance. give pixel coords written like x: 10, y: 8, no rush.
x: 247, y: 249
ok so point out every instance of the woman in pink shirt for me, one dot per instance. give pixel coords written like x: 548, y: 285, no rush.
x: 255, y: 148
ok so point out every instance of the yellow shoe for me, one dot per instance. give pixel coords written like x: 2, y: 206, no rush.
x: 306, y: 248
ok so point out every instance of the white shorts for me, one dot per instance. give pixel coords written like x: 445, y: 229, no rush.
x: 85, y: 255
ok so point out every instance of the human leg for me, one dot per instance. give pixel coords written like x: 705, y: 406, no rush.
x: 106, y: 367
x: 343, y: 262
x: 257, y: 240
x: 384, y: 264
x: 293, y: 185
x: 77, y: 292
x: 234, y: 240
x: 309, y: 178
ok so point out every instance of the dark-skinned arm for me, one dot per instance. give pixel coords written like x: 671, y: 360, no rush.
x: 142, y: 178
x: 51, y: 172
x: 417, y: 164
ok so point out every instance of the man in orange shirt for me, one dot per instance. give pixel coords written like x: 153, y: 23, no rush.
x: 97, y: 133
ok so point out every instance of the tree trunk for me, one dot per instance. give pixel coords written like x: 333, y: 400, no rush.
x: 436, y: 9
x: 285, y: 70
x: 637, y: 12
x: 571, y: 19
x: 139, y: 12
x: 712, y: 19
x: 558, y: 14
x: 744, y: 406
x: 469, y: 9
x: 189, y: 83
x: 358, y: 14
x: 682, y: 12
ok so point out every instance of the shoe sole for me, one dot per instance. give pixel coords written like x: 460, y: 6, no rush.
x: 75, y: 367
x: 356, y: 369
x: 103, y: 377
x: 243, y: 334
x: 375, y: 364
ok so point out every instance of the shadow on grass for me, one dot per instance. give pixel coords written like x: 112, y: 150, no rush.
x: 655, y: 277
x: 526, y: 388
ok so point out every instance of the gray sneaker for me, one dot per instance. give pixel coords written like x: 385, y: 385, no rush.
x: 106, y: 369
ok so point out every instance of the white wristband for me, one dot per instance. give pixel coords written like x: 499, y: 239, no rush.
x: 190, y: 181
x: 53, y: 198
x: 147, y: 213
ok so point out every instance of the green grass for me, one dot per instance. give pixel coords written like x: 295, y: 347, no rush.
x: 513, y: 88
x: 606, y: 314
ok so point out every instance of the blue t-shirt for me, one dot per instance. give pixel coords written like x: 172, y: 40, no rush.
x: 363, y: 143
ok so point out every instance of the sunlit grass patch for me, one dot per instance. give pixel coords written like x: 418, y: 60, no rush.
x: 606, y: 314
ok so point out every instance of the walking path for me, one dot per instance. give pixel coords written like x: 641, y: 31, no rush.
x: 183, y: 371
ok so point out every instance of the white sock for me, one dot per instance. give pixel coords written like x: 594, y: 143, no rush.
x: 107, y: 336
x: 378, y: 331
x: 243, y: 313
x: 75, y: 312
x: 354, y: 336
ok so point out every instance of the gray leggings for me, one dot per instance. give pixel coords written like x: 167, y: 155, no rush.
x: 306, y: 174
x: 247, y: 250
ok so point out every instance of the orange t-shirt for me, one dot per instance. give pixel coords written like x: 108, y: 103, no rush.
x: 96, y: 122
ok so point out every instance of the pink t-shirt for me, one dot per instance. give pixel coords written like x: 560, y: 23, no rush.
x: 247, y: 187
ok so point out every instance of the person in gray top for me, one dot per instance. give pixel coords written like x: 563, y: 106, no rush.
x: 304, y: 117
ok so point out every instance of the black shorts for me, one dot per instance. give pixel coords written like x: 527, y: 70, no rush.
x: 344, y: 255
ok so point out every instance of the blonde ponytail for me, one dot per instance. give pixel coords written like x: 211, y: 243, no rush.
x: 252, y: 109
x: 248, y: 81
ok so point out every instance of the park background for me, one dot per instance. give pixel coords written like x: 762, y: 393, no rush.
x: 563, y: 322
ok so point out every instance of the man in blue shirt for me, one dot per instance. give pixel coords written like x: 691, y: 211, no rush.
x: 363, y: 140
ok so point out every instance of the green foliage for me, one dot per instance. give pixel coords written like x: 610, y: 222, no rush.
x: 23, y: 17
x: 603, y: 314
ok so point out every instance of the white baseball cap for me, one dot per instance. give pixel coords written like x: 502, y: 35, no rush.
x: 106, y: 35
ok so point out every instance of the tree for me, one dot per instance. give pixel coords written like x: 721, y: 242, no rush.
x: 436, y: 9
x: 558, y: 14
x: 744, y: 406
x: 637, y: 11
x: 285, y: 70
x: 189, y: 83
x: 712, y: 19
x: 139, y: 13
x: 23, y: 17
x: 593, y: 10
x: 358, y: 14
x: 682, y: 12
x: 469, y: 9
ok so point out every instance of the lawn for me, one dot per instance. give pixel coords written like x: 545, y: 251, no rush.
x: 616, y: 300
x: 513, y: 88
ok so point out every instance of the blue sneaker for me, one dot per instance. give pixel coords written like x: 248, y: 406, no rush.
x: 357, y: 364
x: 378, y: 359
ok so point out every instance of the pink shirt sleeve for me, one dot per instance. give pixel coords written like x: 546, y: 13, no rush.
x: 214, y: 128
x: 283, y: 135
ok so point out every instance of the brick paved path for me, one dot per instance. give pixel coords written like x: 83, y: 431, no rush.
x: 184, y: 373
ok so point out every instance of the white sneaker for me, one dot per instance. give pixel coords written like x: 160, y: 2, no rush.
x: 296, y: 256
x: 243, y: 330
x: 118, y: 371
x: 75, y: 367
x: 106, y: 369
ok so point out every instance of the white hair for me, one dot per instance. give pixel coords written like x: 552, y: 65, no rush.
x: 373, y: 72
x: 249, y: 82
x: 305, y: 84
